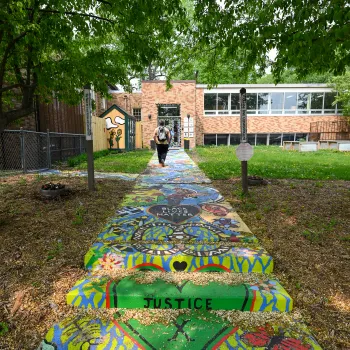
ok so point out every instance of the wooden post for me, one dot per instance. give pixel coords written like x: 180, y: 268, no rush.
x: 244, y: 139
x: 89, y: 141
x: 244, y: 167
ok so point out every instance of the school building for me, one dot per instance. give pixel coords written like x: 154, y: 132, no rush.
x: 276, y: 113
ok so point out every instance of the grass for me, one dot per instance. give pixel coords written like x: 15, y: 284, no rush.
x: 133, y: 162
x: 220, y: 163
x: 81, y: 158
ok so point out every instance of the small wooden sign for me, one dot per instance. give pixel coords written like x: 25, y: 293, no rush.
x: 244, y: 152
x: 88, y: 113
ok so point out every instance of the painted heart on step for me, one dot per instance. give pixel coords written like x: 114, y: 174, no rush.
x: 174, y: 213
x: 180, y: 266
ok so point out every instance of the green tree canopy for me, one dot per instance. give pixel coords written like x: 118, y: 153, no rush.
x: 342, y: 85
x: 290, y: 77
x: 309, y: 36
x: 58, y: 46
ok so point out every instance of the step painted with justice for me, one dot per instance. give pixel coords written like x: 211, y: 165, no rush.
x: 193, y: 331
x: 128, y: 293
x: 178, y: 257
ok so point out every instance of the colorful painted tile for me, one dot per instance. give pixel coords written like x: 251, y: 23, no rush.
x: 128, y: 293
x: 186, y: 223
x: 200, y: 331
x: 177, y: 257
x: 98, y: 175
x: 172, y: 194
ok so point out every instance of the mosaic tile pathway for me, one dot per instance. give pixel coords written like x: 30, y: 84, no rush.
x: 174, y: 224
x: 98, y: 175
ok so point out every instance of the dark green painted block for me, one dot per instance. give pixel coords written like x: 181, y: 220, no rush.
x: 129, y: 293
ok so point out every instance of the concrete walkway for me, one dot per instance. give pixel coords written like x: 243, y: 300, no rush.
x: 176, y: 244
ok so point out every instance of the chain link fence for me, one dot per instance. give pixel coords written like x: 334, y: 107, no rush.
x: 24, y: 151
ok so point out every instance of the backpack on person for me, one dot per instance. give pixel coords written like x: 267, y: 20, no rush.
x: 161, y: 134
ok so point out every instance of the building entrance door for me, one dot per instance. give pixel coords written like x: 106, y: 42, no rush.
x: 174, y: 125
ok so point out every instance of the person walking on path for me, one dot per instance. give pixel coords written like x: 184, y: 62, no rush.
x: 162, y: 139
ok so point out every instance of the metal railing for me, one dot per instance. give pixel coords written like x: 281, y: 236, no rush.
x: 28, y: 151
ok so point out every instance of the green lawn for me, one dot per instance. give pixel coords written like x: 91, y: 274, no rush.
x: 129, y: 162
x: 273, y: 162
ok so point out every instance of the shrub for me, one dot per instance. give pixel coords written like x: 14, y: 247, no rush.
x: 73, y: 161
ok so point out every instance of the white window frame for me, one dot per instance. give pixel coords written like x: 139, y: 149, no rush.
x: 308, y: 110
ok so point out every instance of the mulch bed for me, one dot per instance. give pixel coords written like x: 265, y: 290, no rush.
x: 305, y: 227
x: 43, y: 243
x: 303, y: 224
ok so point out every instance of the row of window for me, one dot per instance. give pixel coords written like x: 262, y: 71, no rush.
x: 253, y: 139
x: 272, y: 103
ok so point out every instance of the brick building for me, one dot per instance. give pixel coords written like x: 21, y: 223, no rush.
x: 211, y: 117
x: 207, y: 117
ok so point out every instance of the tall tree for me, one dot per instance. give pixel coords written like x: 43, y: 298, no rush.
x: 59, y: 46
x: 341, y: 84
x: 309, y: 35
x: 290, y: 77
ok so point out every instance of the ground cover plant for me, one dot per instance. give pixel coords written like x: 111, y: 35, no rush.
x: 133, y: 162
x: 304, y: 225
x: 273, y: 162
x: 82, y: 158
x: 43, y: 243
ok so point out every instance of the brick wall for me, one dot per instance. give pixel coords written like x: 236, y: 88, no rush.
x: 126, y: 101
x: 27, y: 123
x: 154, y: 92
x: 256, y: 124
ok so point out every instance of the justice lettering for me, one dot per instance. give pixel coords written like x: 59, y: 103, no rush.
x: 178, y: 303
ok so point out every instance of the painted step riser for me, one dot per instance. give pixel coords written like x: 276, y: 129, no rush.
x: 173, y: 258
x: 186, y: 332
x: 190, y: 232
x: 127, y: 293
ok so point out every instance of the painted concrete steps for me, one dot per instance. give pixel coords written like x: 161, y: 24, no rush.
x: 135, y: 292
x: 178, y: 257
x: 191, y: 331
x: 168, y: 212
x: 189, y: 232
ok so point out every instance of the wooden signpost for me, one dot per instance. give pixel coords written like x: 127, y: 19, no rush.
x: 89, y: 141
x: 244, y: 151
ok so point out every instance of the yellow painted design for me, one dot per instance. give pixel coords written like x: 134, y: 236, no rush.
x: 113, y: 114
x: 78, y: 301
x: 50, y: 334
x: 210, y: 217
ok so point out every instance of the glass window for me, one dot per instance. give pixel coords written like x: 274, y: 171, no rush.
x: 316, y: 102
x: 210, y: 139
x: 170, y: 110
x: 275, y: 139
x: 235, y: 139
x: 251, y: 139
x: 329, y: 98
x: 222, y: 139
x: 251, y: 103
x: 339, y: 107
x: 300, y: 137
x: 290, y: 102
x: 288, y: 137
x: 223, y: 103
x: 303, y: 102
x: 136, y: 112
x: 276, y: 102
x: 261, y: 139
x: 210, y: 102
x: 263, y: 103
x: 235, y: 102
